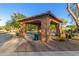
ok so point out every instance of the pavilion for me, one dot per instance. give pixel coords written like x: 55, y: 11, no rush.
x: 43, y: 22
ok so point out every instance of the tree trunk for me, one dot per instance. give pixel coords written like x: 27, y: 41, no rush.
x: 76, y: 18
x: 77, y: 6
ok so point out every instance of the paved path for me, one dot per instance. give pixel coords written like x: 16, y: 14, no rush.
x: 53, y: 53
x: 11, y: 45
x: 36, y: 46
x: 4, y: 37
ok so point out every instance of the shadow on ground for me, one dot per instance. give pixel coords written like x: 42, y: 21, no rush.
x: 68, y: 45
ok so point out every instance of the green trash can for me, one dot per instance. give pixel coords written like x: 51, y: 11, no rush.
x: 17, y: 33
x: 37, y: 36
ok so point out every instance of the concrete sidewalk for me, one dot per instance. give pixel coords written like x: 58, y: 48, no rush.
x: 54, y: 53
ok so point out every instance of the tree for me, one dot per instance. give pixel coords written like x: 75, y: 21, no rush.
x: 74, y: 13
x: 52, y: 27
x: 32, y: 27
x: 13, y: 23
x: 71, y: 27
x: 15, y: 18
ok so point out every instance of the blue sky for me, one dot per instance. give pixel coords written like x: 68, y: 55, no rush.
x: 29, y: 9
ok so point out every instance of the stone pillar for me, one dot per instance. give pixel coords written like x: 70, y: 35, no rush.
x: 60, y: 32
x: 58, y: 29
x: 23, y: 30
x: 45, y: 30
x: 39, y: 28
x: 39, y: 31
x: 48, y: 31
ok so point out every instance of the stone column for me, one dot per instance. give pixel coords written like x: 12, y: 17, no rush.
x: 23, y: 30
x: 39, y: 31
x: 58, y: 29
x: 60, y: 32
x: 45, y: 30
x: 48, y: 31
